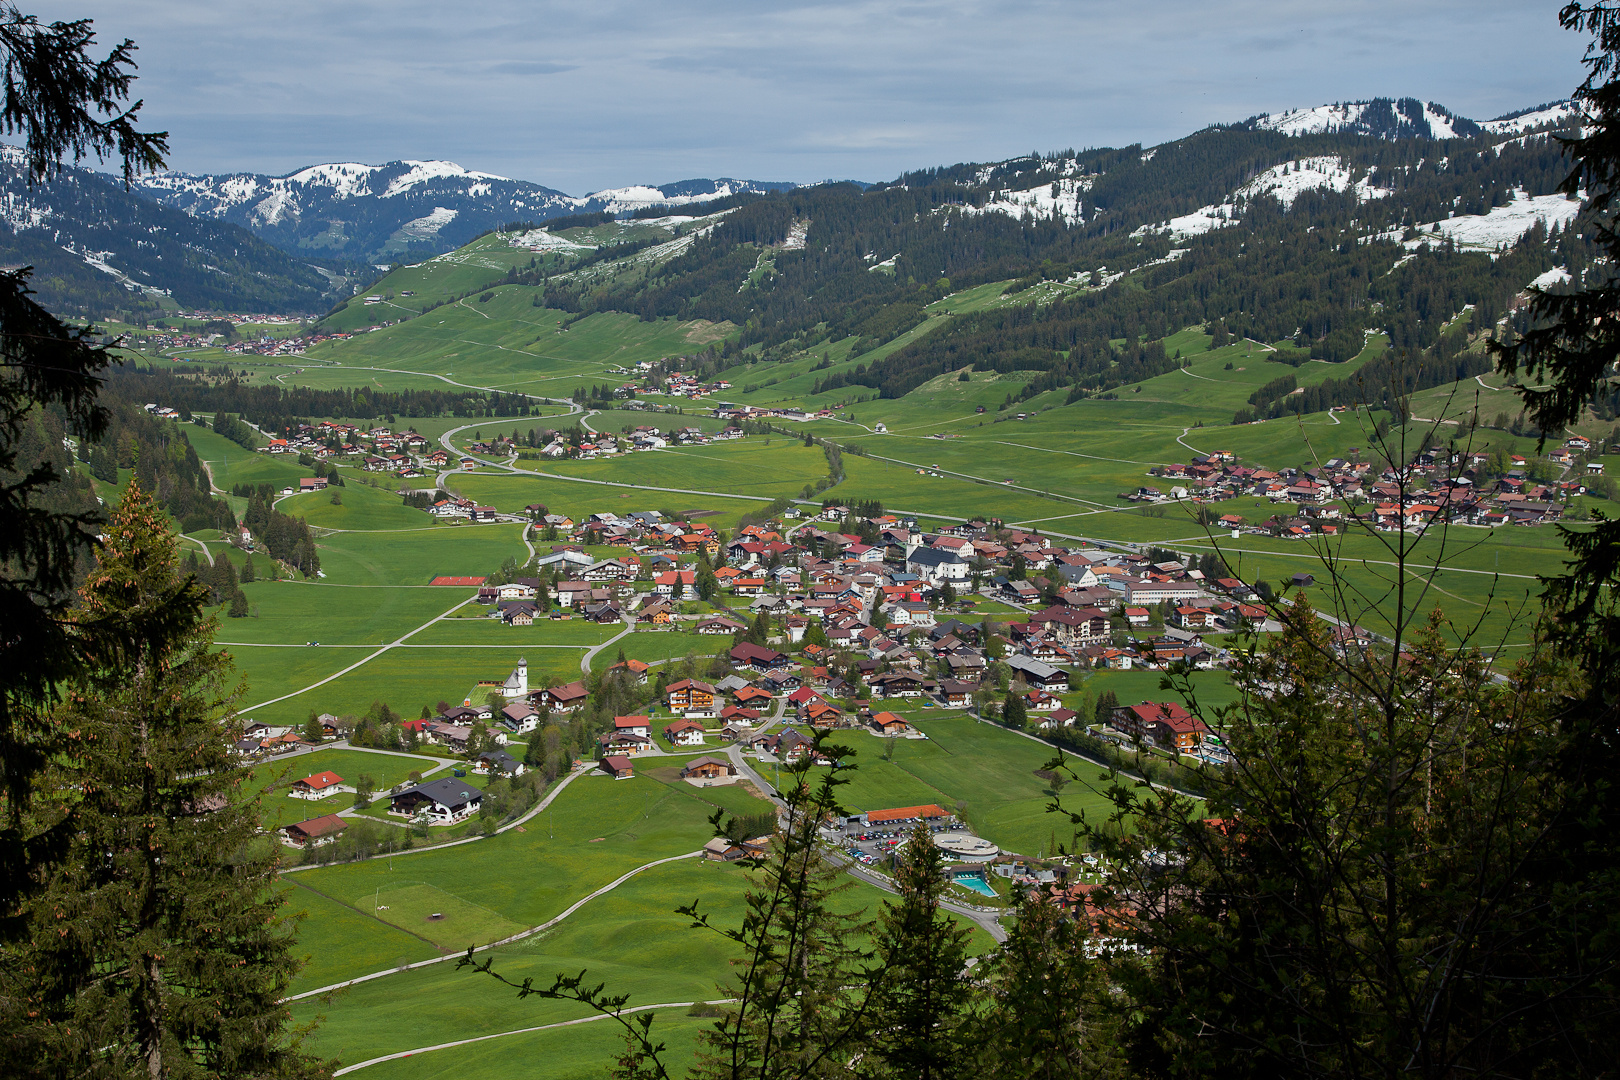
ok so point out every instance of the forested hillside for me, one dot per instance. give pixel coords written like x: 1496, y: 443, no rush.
x: 97, y: 250
x: 1314, y: 241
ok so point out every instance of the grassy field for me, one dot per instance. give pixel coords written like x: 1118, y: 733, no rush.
x: 1062, y: 469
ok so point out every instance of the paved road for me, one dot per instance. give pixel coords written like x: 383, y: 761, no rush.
x: 590, y: 654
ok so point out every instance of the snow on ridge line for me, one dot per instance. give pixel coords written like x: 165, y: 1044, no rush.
x: 1317, y: 121
x: 1561, y: 113
x: 423, y: 171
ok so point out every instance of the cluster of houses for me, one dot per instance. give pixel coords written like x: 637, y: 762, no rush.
x: 1438, y: 485
x: 642, y: 437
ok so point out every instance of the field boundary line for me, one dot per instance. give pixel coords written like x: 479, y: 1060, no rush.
x: 528, y: 1030
x: 338, y: 675
x: 359, y: 911
x: 511, y: 939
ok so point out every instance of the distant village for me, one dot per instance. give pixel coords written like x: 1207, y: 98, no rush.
x: 1439, y: 486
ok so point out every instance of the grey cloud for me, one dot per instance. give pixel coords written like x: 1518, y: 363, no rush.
x: 581, y: 97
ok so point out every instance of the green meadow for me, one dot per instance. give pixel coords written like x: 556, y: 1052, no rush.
x: 953, y: 449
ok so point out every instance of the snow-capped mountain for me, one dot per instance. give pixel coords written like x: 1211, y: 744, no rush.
x: 375, y: 211
x: 96, y: 247
x: 1409, y: 118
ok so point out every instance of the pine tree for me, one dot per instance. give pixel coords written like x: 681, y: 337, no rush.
x: 1015, y: 711
x: 918, y: 1020
x: 157, y: 945
x: 1046, y: 1018
x: 798, y: 985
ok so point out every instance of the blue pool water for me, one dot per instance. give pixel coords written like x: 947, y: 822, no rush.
x: 977, y: 884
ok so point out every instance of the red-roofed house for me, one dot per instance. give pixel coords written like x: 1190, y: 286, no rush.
x: 319, y: 786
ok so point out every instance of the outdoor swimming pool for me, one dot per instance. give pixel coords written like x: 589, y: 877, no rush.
x: 977, y: 884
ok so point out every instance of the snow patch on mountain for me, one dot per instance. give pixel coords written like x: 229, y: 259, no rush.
x: 428, y: 226
x: 1546, y: 280
x: 422, y: 172
x: 1557, y: 115
x: 1441, y: 124
x: 1059, y: 199
x: 1317, y: 121
x: 1500, y: 226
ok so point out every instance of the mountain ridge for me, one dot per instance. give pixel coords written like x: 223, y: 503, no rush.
x: 403, y: 207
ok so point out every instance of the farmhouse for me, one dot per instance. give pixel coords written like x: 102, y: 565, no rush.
x: 314, y: 832
x: 319, y: 786
x: 442, y: 802
x: 886, y: 723
x: 617, y: 766
x: 1039, y: 674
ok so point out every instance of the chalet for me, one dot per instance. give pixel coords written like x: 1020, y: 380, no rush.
x: 636, y: 669
x: 886, y: 723
x: 752, y: 695
x: 1192, y: 618
x: 1184, y: 734
x: 897, y: 684
x: 312, y: 483
x: 441, y: 801
x: 617, y: 766
x: 708, y: 768
x: 566, y: 698
x: 690, y: 698
x: 758, y: 657
x: 677, y: 584
x: 499, y: 763
x: 622, y: 742
x: 684, y: 733
x: 320, y: 786
x: 519, y: 718
x: 1060, y: 718
x: 518, y: 613
x: 821, y: 714
x: 1137, y: 720
x: 720, y: 849
x: 315, y: 832
x: 956, y: 693
x: 634, y: 725
x: 719, y: 625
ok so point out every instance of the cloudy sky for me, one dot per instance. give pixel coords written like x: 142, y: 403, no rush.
x: 582, y: 96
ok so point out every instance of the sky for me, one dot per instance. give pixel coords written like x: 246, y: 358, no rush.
x: 585, y: 96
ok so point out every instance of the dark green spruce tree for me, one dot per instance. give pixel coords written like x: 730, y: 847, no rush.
x: 158, y: 947
x: 920, y: 1025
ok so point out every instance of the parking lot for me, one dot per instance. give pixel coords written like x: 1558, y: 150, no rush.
x: 873, y: 845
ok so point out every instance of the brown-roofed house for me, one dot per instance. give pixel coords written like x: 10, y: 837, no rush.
x: 315, y: 831
x: 708, y: 768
